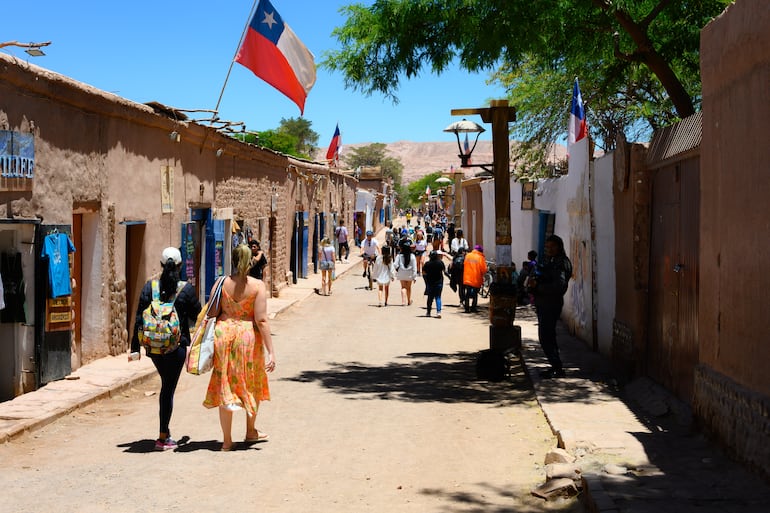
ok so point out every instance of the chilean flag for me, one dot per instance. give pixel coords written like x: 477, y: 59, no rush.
x: 276, y: 55
x: 577, y: 117
x: 333, y: 153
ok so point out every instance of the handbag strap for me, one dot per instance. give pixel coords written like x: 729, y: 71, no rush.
x: 214, y: 299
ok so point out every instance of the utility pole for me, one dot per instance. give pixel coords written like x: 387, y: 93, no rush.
x: 502, y: 304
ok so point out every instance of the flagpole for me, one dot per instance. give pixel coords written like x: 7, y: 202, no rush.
x: 232, y: 61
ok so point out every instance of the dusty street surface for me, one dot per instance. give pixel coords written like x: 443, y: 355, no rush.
x: 373, y: 410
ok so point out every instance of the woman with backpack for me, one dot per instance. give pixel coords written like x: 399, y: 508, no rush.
x: 243, y: 350
x: 169, y: 357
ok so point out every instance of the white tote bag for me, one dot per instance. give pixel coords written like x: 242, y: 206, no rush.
x: 200, y: 358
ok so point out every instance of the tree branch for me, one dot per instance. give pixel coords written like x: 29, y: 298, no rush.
x: 654, y: 14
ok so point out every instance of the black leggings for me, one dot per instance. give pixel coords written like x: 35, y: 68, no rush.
x: 169, y: 367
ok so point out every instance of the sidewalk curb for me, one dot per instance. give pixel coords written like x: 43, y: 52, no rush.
x: 32, y: 424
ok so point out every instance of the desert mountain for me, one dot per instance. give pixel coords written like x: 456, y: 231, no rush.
x: 420, y: 159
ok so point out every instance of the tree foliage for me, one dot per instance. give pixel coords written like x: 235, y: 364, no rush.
x: 294, y: 136
x: 637, y: 60
x: 374, y: 155
x: 415, y: 191
x: 279, y: 141
x: 300, y: 128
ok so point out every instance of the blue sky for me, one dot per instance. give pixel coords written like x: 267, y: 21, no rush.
x: 178, y: 53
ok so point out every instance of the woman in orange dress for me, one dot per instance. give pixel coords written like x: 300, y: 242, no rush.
x: 242, y: 336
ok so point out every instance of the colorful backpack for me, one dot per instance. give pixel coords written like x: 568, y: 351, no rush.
x: 160, y: 323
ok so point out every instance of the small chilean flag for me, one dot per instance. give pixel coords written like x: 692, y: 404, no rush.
x: 577, y: 117
x: 333, y: 153
x: 276, y: 55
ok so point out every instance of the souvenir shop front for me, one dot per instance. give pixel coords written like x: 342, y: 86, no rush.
x: 36, y: 318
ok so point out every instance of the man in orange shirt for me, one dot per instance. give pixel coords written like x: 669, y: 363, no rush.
x: 474, y: 269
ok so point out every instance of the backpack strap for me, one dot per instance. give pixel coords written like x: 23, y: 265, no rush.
x: 179, y: 286
x: 155, y: 290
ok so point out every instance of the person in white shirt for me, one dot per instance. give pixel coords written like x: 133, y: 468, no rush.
x: 383, y: 272
x: 406, y: 272
x: 370, y: 248
x: 420, y: 246
x: 458, y: 242
x: 327, y: 263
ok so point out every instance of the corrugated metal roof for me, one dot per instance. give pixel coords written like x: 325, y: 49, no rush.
x: 676, y: 139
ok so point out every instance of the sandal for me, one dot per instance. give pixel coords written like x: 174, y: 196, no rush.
x: 261, y: 437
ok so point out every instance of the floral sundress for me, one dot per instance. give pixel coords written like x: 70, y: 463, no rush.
x: 238, y: 378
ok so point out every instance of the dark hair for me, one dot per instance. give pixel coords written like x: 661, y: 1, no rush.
x: 532, y: 255
x: 459, y: 232
x: 559, y: 243
x: 169, y: 279
x: 387, y: 258
x: 406, y: 252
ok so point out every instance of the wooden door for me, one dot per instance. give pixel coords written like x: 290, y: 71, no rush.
x: 673, y: 316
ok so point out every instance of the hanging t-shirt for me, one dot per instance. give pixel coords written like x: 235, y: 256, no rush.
x: 13, y: 288
x: 57, y: 247
x: 2, y: 294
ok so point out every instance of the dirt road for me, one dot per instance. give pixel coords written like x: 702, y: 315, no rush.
x: 373, y: 410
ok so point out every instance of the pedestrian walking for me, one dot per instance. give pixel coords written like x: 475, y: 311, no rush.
x: 406, y: 272
x: 258, y: 260
x: 239, y: 377
x: 456, y: 275
x: 327, y: 262
x: 167, y: 289
x: 474, y: 268
x: 458, y: 242
x: 341, y: 234
x: 384, y: 272
x: 433, y: 272
x: 420, y: 246
x: 548, y: 286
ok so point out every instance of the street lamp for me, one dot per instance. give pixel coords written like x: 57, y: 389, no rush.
x: 32, y: 49
x: 465, y: 127
x: 502, y: 305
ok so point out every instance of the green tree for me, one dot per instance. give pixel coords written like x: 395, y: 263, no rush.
x: 637, y: 59
x: 374, y: 155
x: 416, y: 190
x: 300, y: 128
x: 278, y: 141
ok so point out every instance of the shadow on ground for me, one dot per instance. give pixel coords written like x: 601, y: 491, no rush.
x: 486, y: 502
x: 421, y: 377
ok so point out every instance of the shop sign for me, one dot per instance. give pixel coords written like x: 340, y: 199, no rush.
x: 17, y: 161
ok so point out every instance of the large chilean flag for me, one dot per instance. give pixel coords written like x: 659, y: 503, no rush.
x: 276, y: 55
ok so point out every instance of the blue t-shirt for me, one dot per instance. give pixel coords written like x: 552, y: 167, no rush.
x: 57, y: 247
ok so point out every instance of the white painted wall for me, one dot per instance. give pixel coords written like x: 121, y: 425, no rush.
x: 604, y: 215
x: 523, y: 227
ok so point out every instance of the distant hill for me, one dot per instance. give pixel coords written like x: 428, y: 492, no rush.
x: 420, y: 159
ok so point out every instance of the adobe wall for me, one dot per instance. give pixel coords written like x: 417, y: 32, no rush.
x: 103, y: 157
x: 632, y: 195
x: 732, y: 388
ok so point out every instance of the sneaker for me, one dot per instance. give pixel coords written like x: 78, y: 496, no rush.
x: 552, y: 373
x: 165, y: 445
x: 438, y: 315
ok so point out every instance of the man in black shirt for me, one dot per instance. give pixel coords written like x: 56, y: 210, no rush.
x: 548, y: 284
